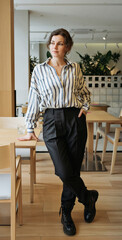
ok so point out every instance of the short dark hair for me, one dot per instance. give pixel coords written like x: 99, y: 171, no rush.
x: 64, y: 33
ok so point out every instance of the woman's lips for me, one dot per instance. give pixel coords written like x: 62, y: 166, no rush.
x: 55, y: 51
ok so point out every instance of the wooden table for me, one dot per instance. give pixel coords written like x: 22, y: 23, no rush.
x: 10, y: 135
x: 97, y: 117
x: 98, y: 107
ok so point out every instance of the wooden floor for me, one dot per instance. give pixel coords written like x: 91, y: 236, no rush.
x: 41, y: 219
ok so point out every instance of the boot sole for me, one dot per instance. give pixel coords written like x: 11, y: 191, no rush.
x: 67, y: 232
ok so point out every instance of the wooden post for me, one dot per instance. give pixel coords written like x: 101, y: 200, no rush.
x: 7, y: 99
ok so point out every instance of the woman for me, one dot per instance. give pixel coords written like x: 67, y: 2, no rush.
x: 58, y: 89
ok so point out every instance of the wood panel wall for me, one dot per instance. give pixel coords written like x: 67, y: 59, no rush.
x: 7, y: 102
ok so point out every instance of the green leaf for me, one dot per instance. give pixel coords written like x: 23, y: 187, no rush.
x: 98, y: 64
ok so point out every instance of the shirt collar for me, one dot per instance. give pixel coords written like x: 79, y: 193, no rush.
x: 46, y: 62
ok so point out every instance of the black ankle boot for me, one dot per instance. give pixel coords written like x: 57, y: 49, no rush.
x: 66, y: 219
x: 90, y: 209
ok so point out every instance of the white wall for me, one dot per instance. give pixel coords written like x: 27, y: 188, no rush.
x: 21, y: 33
x: 42, y: 52
x: 34, y: 50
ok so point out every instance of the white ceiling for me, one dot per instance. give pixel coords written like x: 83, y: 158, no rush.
x: 87, y: 21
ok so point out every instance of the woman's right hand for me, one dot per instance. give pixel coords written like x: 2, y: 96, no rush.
x: 28, y: 137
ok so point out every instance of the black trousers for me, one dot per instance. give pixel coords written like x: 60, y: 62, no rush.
x: 65, y: 137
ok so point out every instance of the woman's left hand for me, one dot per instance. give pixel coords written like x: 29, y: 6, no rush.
x: 82, y: 111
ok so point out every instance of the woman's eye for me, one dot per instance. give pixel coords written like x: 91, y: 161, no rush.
x: 60, y: 44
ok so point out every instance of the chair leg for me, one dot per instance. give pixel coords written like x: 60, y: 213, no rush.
x: 13, y: 220
x: 97, y: 138
x: 20, y: 196
x: 113, y: 157
x: 20, y: 206
x: 104, y: 148
x: 34, y: 156
x: 115, y: 144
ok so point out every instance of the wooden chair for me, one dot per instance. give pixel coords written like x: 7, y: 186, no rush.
x: 24, y: 109
x: 10, y: 183
x: 101, y: 131
x: 116, y: 139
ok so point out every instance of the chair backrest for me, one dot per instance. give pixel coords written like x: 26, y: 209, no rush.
x: 8, y: 163
x: 5, y: 157
x: 8, y: 182
x: 11, y: 122
x: 120, y: 115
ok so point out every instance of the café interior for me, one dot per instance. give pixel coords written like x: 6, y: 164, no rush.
x: 29, y: 189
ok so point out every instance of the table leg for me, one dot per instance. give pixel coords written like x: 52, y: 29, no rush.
x: 34, y: 156
x: 31, y: 174
x: 105, y: 140
x: 91, y: 162
x: 90, y: 128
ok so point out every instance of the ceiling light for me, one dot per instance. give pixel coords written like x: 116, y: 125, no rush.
x: 92, y: 36
x: 45, y: 36
x: 81, y: 31
x: 32, y: 46
x: 105, y: 37
x: 73, y: 35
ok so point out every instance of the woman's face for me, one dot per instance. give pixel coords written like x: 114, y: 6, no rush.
x: 58, y: 47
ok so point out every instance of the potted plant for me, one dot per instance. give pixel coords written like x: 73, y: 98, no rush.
x: 48, y: 54
x: 99, y: 64
x: 33, y: 62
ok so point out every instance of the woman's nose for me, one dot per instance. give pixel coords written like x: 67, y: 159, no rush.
x: 55, y: 46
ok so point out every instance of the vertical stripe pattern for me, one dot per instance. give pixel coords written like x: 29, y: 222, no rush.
x: 48, y: 90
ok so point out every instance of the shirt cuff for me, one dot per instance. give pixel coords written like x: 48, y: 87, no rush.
x: 85, y: 109
x: 30, y: 130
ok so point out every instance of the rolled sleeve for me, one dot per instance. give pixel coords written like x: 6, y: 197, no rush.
x: 83, y: 92
x: 33, y: 111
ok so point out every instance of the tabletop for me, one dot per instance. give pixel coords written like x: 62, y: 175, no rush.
x: 101, y: 116
x: 11, y: 135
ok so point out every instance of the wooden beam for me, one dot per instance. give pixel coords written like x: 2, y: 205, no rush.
x: 7, y: 99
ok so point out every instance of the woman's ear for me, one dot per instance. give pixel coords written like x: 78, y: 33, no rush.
x: 67, y: 50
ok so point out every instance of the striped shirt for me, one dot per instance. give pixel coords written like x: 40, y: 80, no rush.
x: 48, y: 90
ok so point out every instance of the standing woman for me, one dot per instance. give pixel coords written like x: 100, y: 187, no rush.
x: 58, y: 89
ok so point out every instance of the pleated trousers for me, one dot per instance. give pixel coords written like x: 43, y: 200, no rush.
x: 65, y: 137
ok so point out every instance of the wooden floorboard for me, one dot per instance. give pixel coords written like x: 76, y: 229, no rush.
x: 41, y: 219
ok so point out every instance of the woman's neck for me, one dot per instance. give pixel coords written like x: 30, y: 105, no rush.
x: 57, y: 62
